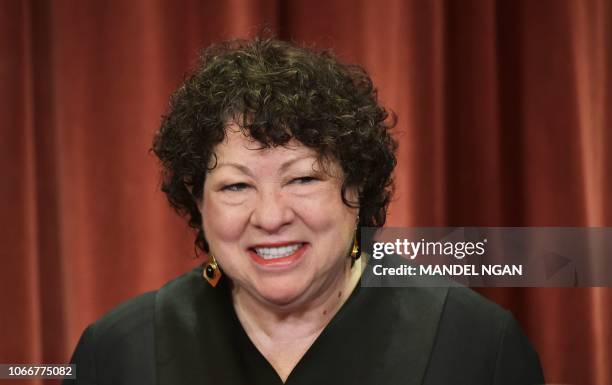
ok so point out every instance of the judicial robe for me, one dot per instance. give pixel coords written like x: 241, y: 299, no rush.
x: 187, y: 333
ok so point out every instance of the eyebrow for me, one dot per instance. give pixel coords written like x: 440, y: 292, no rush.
x: 244, y: 169
x: 290, y: 162
x: 238, y: 166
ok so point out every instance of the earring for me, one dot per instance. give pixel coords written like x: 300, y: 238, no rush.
x: 212, y: 272
x: 356, y: 251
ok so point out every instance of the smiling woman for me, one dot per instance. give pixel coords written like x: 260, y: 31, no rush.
x: 278, y: 155
x: 276, y: 222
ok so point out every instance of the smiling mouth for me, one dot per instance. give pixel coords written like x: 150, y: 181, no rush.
x: 269, y: 253
x: 278, y: 257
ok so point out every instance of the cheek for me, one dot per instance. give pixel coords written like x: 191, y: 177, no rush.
x: 222, y: 223
x: 326, y: 213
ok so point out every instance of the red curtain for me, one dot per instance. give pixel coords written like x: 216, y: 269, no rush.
x: 504, y: 120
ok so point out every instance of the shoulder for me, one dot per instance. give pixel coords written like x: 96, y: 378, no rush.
x: 137, y: 313
x: 464, y: 304
x: 126, y: 318
x: 119, y: 347
x: 457, y: 306
x: 459, y: 313
x: 453, y: 334
x: 471, y: 323
x: 483, y: 339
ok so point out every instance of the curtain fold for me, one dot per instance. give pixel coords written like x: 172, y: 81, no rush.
x: 504, y: 120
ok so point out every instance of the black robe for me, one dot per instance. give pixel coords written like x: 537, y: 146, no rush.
x: 187, y: 333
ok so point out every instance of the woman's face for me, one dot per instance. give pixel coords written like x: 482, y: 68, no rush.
x: 275, y: 220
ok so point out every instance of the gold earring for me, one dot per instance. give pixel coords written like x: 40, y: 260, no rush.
x: 356, y: 251
x: 212, y: 272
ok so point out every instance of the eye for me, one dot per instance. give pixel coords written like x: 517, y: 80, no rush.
x: 303, y: 180
x: 236, y: 187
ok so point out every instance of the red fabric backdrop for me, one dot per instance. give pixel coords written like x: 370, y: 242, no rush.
x: 504, y: 119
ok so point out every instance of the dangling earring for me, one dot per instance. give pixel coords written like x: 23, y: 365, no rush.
x: 356, y: 251
x: 212, y: 272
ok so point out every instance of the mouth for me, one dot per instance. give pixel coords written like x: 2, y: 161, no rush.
x: 277, y: 255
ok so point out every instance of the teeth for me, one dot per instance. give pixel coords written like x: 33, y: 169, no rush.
x: 277, y: 252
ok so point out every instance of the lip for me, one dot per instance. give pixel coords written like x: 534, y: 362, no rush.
x: 278, y: 263
x: 275, y: 244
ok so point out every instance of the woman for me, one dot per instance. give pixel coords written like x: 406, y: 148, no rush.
x: 278, y: 155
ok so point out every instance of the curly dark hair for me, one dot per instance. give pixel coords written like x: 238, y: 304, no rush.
x: 278, y: 91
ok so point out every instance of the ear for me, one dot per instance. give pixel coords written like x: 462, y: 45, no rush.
x: 353, y: 193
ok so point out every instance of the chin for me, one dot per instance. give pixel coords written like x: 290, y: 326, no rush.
x: 281, y: 295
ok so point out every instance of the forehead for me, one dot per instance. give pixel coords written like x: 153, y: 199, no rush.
x: 237, y: 146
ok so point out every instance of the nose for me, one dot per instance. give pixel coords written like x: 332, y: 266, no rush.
x: 272, y: 211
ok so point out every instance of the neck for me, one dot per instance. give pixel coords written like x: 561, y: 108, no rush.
x: 304, y: 321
